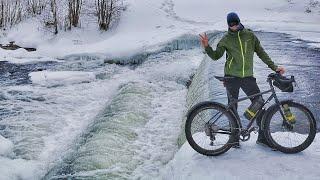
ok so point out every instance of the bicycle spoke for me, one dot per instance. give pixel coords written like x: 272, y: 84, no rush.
x: 210, y: 129
x: 290, y: 137
x: 217, y: 118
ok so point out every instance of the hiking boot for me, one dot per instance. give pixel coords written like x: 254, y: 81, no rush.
x: 264, y: 142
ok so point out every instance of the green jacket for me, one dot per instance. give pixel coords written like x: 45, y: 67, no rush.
x: 240, y: 47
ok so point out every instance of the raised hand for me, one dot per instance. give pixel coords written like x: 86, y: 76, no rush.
x: 281, y: 70
x: 204, y: 40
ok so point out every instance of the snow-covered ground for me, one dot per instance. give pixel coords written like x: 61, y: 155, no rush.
x: 251, y: 161
x: 145, y: 24
x: 79, y: 96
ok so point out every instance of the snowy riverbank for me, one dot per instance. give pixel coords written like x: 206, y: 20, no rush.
x: 47, y: 114
x: 147, y: 23
x: 251, y: 161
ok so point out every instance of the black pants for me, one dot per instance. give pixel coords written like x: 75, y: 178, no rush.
x: 247, y: 84
x: 249, y: 87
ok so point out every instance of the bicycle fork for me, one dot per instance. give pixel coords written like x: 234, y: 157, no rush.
x: 285, y: 123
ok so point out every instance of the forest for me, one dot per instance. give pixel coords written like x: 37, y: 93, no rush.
x: 57, y: 15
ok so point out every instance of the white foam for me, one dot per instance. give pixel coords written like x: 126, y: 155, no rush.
x: 56, y: 78
x: 6, y: 146
x: 16, y: 169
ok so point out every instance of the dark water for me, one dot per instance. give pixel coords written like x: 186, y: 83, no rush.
x: 18, y: 74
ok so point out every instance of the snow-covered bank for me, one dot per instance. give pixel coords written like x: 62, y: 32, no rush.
x: 251, y: 161
x: 272, y: 16
x: 149, y: 23
x: 41, y: 136
x: 21, y: 56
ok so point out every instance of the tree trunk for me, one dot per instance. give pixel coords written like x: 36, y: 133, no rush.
x: 54, y: 14
x: 74, y: 13
x: 105, y: 12
x: 2, y: 14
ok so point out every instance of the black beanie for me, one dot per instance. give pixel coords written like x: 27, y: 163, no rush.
x: 232, y: 17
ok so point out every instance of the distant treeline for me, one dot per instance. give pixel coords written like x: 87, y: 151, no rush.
x: 61, y: 14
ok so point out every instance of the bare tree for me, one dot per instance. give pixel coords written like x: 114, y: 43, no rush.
x: 60, y: 14
x: 74, y: 12
x: 2, y: 16
x: 11, y: 13
x: 35, y: 7
x: 54, y: 14
x: 107, y: 11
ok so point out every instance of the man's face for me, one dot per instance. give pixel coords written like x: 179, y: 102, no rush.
x: 234, y: 26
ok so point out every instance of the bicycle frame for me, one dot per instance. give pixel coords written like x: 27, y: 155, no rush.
x: 230, y: 124
x: 272, y: 96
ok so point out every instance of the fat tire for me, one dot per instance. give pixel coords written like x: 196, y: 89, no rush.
x: 312, y: 133
x: 219, y: 107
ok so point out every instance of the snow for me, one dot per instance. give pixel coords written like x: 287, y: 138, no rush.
x: 148, y: 23
x: 272, y: 16
x: 26, y: 34
x: 251, y: 161
x: 9, y: 168
x: 18, y: 169
x: 144, y: 26
x: 56, y: 78
x: 6, y: 146
x: 21, y: 56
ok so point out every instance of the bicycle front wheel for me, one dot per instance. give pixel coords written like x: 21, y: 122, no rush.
x: 210, y: 129
x: 290, y: 136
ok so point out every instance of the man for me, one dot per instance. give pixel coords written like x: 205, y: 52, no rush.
x: 240, y: 45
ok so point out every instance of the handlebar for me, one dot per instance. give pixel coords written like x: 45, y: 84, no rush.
x: 282, y: 79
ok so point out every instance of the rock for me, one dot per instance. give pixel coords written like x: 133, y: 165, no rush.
x: 12, y: 46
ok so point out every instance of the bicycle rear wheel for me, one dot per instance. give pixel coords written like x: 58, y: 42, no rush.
x: 210, y: 129
x: 286, y: 136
